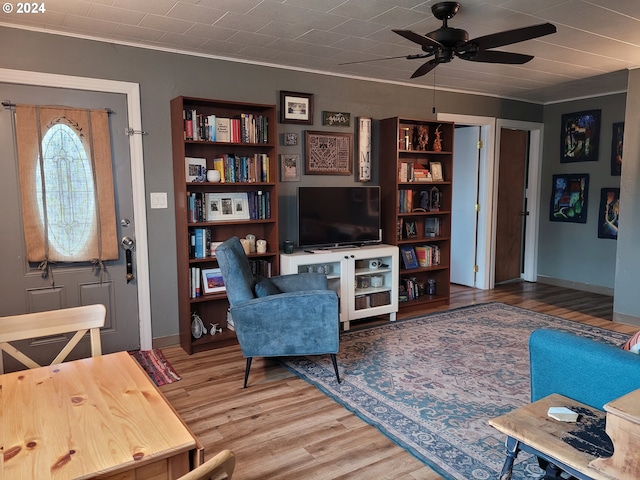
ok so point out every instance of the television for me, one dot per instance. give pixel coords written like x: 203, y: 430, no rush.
x: 338, y: 216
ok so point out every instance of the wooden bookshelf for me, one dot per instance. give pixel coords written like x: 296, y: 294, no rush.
x: 255, y: 138
x: 416, y: 211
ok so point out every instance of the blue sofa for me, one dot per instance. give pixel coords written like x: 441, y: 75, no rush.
x: 590, y: 372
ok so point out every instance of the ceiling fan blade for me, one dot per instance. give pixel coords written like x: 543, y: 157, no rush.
x: 493, y: 56
x: 425, y: 68
x: 509, y: 37
x: 425, y: 42
x: 407, y: 57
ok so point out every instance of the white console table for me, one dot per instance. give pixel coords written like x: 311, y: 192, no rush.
x: 365, y: 278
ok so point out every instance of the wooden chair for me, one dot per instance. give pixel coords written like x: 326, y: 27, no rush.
x: 214, y: 468
x: 81, y: 320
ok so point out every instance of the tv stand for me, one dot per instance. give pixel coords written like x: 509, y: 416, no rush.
x: 365, y: 290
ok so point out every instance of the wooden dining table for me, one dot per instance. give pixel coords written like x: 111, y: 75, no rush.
x: 99, y: 417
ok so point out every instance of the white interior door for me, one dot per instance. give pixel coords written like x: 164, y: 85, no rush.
x: 463, y: 212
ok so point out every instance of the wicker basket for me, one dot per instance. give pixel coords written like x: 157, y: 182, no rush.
x: 380, y: 298
x: 361, y: 302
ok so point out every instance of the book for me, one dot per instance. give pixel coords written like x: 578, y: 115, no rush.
x: 223, y: 129
x: 409, y: 258
x: 196, y: 168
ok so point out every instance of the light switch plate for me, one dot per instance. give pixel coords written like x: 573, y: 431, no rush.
x: 158, y: 199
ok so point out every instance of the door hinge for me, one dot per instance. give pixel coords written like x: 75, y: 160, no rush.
x: 476, y: 268
x: 480, y: 144
x: 477, y: 207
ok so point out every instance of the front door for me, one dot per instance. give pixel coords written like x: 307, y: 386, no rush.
x: 23, y: 287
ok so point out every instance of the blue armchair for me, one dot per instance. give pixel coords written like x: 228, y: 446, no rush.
x: 287, y: 315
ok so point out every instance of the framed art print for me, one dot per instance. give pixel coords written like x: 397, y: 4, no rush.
x: 227, y: 206
x: 580, y: 136
x: 212, y: 281
x: 569, y: 194
x: 289, y: 168
x: 609, y: 213
x: 328, y: 153
x: 616, y: 149
x: 296, y: 108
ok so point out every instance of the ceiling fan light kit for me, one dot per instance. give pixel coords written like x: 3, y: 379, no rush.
x: 447, y: 42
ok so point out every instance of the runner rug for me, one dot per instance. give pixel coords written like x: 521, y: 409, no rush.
x: 156, y: 365
x: 431, y: 383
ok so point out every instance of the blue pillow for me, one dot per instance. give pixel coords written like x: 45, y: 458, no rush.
x: 266, y: 287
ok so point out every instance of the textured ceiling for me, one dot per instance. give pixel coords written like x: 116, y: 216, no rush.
x: 594, y: 38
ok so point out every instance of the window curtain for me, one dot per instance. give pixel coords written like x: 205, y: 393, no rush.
x: 92, y: 127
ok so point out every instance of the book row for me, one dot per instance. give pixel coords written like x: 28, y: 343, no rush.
x: 410, y: 288
x: 232, y: 168
x: 206, y: 281
x: 420, y: 256
x: 410, y: 201
x: 245, y: 128
x: 215, y: 207
x: 416, y: 172
x: 408, y: 229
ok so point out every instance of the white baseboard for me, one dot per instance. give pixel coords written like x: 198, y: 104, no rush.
x: 583, y: 287
x: 624, y: 318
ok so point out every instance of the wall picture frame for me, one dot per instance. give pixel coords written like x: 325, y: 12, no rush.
x: 296, y: 107
x: 227, y: 206
x: 212, y: 281
x: 569, y: 195
x: 364, y: 149
x: 328, y: 153
x: 617, y: 140
x: 580, y: 136
x: 609, y: 213
x: 289, y: 168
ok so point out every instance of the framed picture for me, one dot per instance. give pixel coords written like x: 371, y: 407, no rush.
x: 227, y: 206
x: 410, y: 229
x: 436, y: 172
x: 409, y: 258
x: 296, y: 107
x: 364, y: 149
x: 609, y: 213
x: 196, y: 169
x: 212, y: 281
x: 289, y: 168
x: 616, y: 148
x: 580, y: 136
x: 328, y: 153
x: 290, y: 139
x: 336, y: 119
x: 569, y: 196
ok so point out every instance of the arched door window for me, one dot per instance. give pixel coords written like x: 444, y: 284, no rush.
x: 66, y: 184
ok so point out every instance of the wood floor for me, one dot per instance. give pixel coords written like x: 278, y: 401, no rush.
x: 281, y: 427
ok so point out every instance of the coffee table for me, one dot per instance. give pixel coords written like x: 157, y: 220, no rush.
x: 529, y: 429
x: 96, y: 417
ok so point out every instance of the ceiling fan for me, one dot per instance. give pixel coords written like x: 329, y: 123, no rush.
x: 446, y: 42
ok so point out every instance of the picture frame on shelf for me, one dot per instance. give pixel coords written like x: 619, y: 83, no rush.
x: 328, y: 153
x: 436, y: 172
x: 617, y: 139
x: 212, y: 281
x: 195, y: 169
x: 410, y: 229
x: 296, y: 107
x: 289, y: 168
x: 580, y: 136
x: 227, y: 206
x: 609, y: 213
x: 569, y: 194
x: 409, y: 258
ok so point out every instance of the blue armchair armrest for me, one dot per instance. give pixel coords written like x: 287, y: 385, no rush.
x: 273, y: 326
x: 590, y: 372
x: 300, y: 281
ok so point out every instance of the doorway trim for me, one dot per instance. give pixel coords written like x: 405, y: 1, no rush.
x: 486, y: 233
x: 132, y: 93
x: 532, y: 222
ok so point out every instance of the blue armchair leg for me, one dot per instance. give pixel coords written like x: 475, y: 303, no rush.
x: 335, y: 366
x: 246, y: 371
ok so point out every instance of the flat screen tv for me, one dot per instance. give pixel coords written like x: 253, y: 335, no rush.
x: 338, y: 216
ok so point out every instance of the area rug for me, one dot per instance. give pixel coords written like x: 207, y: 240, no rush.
x: 431, y: 383
x: 156, y: 365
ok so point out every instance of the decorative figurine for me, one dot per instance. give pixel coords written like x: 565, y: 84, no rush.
x: 437, y: 142
x: 423, y: 137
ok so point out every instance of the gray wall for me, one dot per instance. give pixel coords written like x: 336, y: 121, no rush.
x: 163, y: 76
x: 572, y: 252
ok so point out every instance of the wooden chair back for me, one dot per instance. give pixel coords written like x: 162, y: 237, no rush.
x: 219, y: 467
x: 81, y: 320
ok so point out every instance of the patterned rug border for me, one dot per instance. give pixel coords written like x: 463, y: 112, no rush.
x: 156, y: 365
x: 332, y: 391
